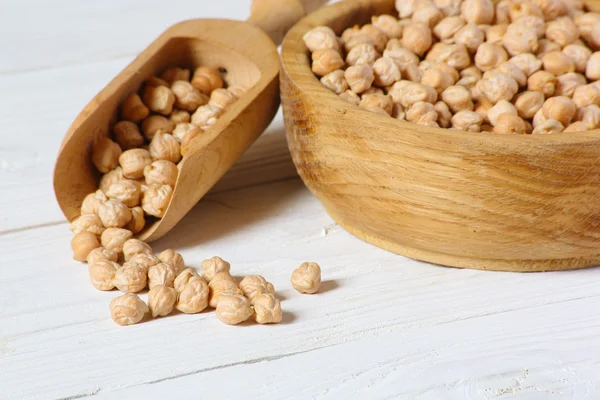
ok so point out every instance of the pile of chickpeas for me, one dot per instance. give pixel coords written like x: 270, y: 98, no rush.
x: 140, y: 168
x: 506, y: 67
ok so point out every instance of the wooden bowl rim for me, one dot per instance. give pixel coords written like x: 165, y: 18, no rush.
x: 296, y: 66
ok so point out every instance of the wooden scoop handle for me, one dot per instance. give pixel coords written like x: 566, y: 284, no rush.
x: 276, y: 17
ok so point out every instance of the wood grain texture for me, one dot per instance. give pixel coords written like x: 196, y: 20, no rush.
x: 403, y: 326
x: 250, y: 59
x: 516, y: 203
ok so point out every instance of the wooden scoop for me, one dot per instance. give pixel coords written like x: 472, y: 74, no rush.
x: 247, y: 56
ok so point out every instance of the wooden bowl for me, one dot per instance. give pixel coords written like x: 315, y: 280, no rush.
x: 498, y: 202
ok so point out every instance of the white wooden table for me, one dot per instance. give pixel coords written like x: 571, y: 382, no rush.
x: 384, y: 326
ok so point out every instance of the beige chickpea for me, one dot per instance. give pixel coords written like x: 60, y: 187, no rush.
x: 489, y: 56
x: 350, y: 97
x: 137, y: 222
x: 472, y: 71
x: 557, y: 63
x: 457, y: 98
x: 101, y: 254
x: 520, y: 38
x: 448, y: 7
x: 465, y: 120
x: 326, y: 61
x: 562, y: 31
x: 482, y: 106
x: 126, y: 191
x: 528, y: 103
x: 519, y: 9
x: 114, y: 175
x: 179, y: 116
x: 552, y: 9
x: 495, y: 34
x: 206, y: 116
x: 132, y: 247
x: 385, y: 72
x: 233, y: 309
x: 592, y: 70
x: 220, y: 284
x: 394, y: 44
x: 538, y: 118
x: 174, y: 259
x: 417, y: 38
x: 184, y: 128
x: 388, y: 24
x: 375, y: 102
x: 527, y: 63
x: 128, y: 309
x: 164, y: 146
x: 402, y: 57
x: 398, y: 112
x: 114, y: 239
x: 500, y: 108
x: 586, y: 95
x: 159, y: 99
x: 589, y: 114
x: 335, y: 81
x: 162, y: 274
x: 267, y: 309
x: 237, y: 90
x: 356, y: 40
x: 87, y: 222
x: 187, y: 97
x: 498, y: 86
x: 130, y: 278
x: 133, y: 162
x: 161, y: 172
x: 254, y: 285
x: 478, y: 11
x: 173, y: 74
x: 133, y: 109
x: 468, y: 82
x: 512, y: 71
x: 470, y: 36
x: 444, y: 114
x: 183, y: 278
x: 82, y: 244
x: 412, y: 73
x: 359, y: 77
x: 362, y: 54
x: 128, y: 135
x: 543, y: 82
x: 533, y: 23
x: 448, y: 27
x: 155, y: 123
x: 406, y: 8
x: 105, y: 154
x: 455, y: 55
x: 156, y: 199
x: 321, y: 37
x: 193, y: 297
x: 560, y: 108
x: 102, y: 274
x: 585, y: 23
x: 92, y: 202
x: 546, y: 46
x: 437, y: 79
x: 593, y: 37
x: 161, y: 300
x: 412, y: 92
x: 378, y: 36
x: 207, y: 79
x: 579, y: 126
x: 548, y: 127
x: 213, y: 266
x: 510, y: 124
x: 307, y: 278
x: 579, y: 55
x: 114, y: 214
x: 156, y: 81
x: 447, y: 69
x: 222, y: 98
x: 429, y: 16
x: 143, y: 260
x: 421, y: 112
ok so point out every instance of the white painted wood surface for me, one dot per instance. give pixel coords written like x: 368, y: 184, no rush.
x: 383, y: 327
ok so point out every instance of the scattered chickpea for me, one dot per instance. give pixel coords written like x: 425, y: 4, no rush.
x: 213, y: 266
x: 161, y: 300
x: 183, y: 278
x: 267, y: 309
x: 133, y: 247
x: 233, y: 309
x: 528, y: 103
x: 543, y: 82
x: 307, y: 278
x: 105, y: 154
x: 137, y: 222
x: 128, y: 135
x: 133, y: 109
x: 193, y: 298
x: 87, y: 222
x: 114, y: 239
x: 326, y: 61
x: 164, y: 146
x: 156, y: 123
x: 128, y: 309
x: 156, y: 199
x: 82, y: 244
x: 207, y: 79
x: 102, y: 274
x: 221, y: 283
x: 101, y: 254
x: 254, y: 285
x: 162, y: 274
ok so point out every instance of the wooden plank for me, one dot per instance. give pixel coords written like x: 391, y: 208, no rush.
x: 53, y: 324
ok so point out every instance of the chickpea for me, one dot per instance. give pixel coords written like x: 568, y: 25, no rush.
x: 552, y: 9
x: 437, y: 79
x: 448, y: 27
x: 398, y: 112
x: 333, y: 81
x: 162, y: 274
x: 185, y: 128
x: 161, y: 172
x: 105, y: 154
x: 133, y: 162
x: 406, y: 8
x: 510, y: 124
x: 114, y: 214
x: 212, y: 266
x: 500, y: 108
x: 592, y: 70
x: 386, y: 72
x: 468, y: 82
x: 502, y: 13
x: 560, y: 108
x: 548, y: 127
x: 128, y: 309
x: 408, y: 93
x: 471, y: 72
x: 585, y: 22
x: 101, y: 254
x: 126, y: 191
x: 443, y: 114
x: 534, y: 23
x: 546, y: 46
x: 593, y: 37
x: 413, y: 73
x: 377, y: 101
x: 387, y: 24
x: 478, y: 11
x: 456, y: 56
x: 114, y: 239
x: 92, y: 202
x: 133, y: 109
x: 137, y: 222
x: 512, y: 71
x: 350, y: 97
x: 222, y: 98
x: 114, y: 175
x: 87, y: 222
x: 586, y: 95
x: 233, y: 309
x: 482, y: 106
x: 102, y: 274
x: 184, y: 278
x: 590, y: 115
x: 458, y: 98
x: 520, y: 38
x: 155, y: 123
x: 362, y: 54
x: 359, y: 77
x: 579, y: 126
x: 156, y: 199
x: 326, y: 61
x: 527, y: 63
x: 489, y: 56
x: 471, y: 36
x: 130, y: 278
x: 498, y: 86
x: 254, y: 285
x: 164, y: 146
x: 495, y: 34
x: 159, y: 99
x: 421, y: 112
x: 417, y: 38
x: 161, y: 300
x: 379, y: 37
x: 187, y: 96
x: 144, y: 260
x: 562, y: 31
x: 319, y: 38
x: 579, y: 55
x: 543, y: 82
x: 128, y: 135
x: 521, y: 9
x: 193, y: 298
x: 206, y: 116
x: 357, y: 40
x: 429, y: 16
x: 465, y: 120
x: 402, y: 57
x: 557, y: 63
x: 538, y: 118
x: 207, y: 79
x: 448, y: 7
x: 267, y: 309
x: 156, y: 81
x: 82, y: 244
x: 307, y: 278
x: 220, y: 284
x: 528, y: 103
